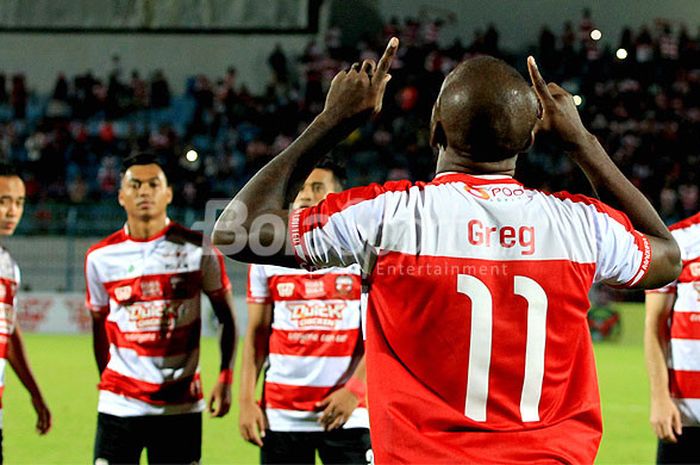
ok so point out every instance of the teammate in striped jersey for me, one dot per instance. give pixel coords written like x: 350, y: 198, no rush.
x: 144, y: 286
x: 478, y: 348
x: 307, y: 326
x: 11, y: 342
x: 672, y: 348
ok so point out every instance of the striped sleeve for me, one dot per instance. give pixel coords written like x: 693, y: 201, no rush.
x: 96, y: 296
x: 623, y: 253
x: 214, y: 278
x: 258, y: 289
x: 342, y: 230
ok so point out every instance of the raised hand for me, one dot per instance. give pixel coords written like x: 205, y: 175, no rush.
x: 559, y: 116
x: 360, y: 89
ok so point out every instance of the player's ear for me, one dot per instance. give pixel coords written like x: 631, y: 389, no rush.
x: 437, y: 133
x: 169, y: 194
x: 530, y: 142
x: 120, y: 197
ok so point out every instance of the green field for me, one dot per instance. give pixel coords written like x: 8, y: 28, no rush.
x: 67, y: 373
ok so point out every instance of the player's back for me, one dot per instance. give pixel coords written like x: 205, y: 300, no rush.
x: 477, y: 338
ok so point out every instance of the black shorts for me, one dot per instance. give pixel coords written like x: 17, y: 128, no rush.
x: 686, y: 451
x: 171, y: 439
x: 340, y: 446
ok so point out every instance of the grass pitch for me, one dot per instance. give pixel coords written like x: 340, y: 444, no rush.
x: 66, y: 371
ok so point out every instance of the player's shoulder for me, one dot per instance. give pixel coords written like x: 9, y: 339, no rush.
x: 687, y: 234
x: 116, y: 237
x: 690, y: 222
x: 7, y: 263
x: 374, y: 190
x: 587, y: 204
x: 179, y: 234
x: 363, y: 194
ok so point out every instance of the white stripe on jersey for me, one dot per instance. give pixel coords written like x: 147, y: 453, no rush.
x: 122, y: 406
x: 130, y: 260
x: 686, y: 298
x: 689, y: 411
x: 155, y: 370
x: 436, y: 220
x: 685, y: 354
x: 293, y: 420
x: 306, y: 371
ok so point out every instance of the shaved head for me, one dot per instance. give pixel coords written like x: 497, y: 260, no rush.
x: 485, y: 109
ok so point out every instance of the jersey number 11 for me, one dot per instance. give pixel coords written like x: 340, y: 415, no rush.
x: 480, y: 345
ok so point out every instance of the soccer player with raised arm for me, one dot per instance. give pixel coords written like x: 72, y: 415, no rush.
x: 144, y: 285
x: 306, y: 326
x: 672, y: 350
x: 478, y: 348
x: 11, y: 343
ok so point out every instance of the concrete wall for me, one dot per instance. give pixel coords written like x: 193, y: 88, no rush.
x: 42, y: 56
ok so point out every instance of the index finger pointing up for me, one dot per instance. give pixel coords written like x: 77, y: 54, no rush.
x: 538, y: 82
x: 385, y: 61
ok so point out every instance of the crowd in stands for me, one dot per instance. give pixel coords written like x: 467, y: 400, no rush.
x: 643, y: 103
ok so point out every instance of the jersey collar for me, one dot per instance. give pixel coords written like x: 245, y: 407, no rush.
x: 473, y: 180
x: 160, y: 233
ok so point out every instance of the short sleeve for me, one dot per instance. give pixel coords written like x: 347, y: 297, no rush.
x: 96, y: 296
x: 623, y: 253
x: 258, y: 287
x: 342, y: 230
x: 214, y: 278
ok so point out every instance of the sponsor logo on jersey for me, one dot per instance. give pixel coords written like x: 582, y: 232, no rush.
x: 314, y: 288
x: 343, y: 284
x: 122, y: 293
x: 478, y: 192
x: 151, y: 288
x: 496, y: 192
x: 323, y: 314
x: 153, y: 315
x: 285, y: 289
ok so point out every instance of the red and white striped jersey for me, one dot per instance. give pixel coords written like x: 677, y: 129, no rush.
x: 684, y: 346
x: 9, y: 283
x: 151, y: 292
x: 315, y: 343
x: 478, y: 348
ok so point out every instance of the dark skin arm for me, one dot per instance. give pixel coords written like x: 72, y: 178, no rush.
x: 17, y: 357
x: 560, y: 118
x: 100, y: 343
x: 353, y: 97
x: 220, y: 399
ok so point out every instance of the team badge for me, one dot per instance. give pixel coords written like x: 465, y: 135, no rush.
x: 123, y: 293
x: 285, y: 289
x: 343, y: 284
x: 695, y: 269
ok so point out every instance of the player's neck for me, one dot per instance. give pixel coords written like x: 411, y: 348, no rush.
x: 143, y: 229
x: 450, y: 159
